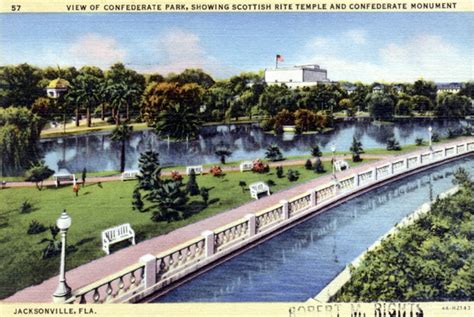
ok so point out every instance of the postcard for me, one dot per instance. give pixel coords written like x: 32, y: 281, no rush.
x: 236, y: 158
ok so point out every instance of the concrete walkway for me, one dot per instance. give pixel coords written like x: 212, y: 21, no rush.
x: 107, y: 265
x: 225, y: 168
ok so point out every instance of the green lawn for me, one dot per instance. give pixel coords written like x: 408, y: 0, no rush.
x: 94, y: 210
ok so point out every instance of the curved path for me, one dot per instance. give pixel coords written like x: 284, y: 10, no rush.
x: 225, y: 168
x: 107, y: 265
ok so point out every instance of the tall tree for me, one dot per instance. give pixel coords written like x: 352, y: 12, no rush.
x: 356, y: 149
x: 19, y: 134
x: 178, y: 122
x: 381, y: 106
x: 122, y: 134
x: 20, y: 85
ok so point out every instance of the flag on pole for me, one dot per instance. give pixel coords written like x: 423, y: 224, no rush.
x: 280, y: 58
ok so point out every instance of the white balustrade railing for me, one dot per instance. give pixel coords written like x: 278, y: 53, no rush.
x: 154, y: 272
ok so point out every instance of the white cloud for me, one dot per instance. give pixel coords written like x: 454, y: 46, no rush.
x: 96, y: 49
x: 358, y: 37
x: 424, y: 55
x: 178, y: 49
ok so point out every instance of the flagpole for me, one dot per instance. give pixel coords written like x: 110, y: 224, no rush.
x: 276, y: 61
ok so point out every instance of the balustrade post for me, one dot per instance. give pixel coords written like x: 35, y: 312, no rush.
x: 208, y: 243
x: 392, y: 169
x: 374, y: 173
x: 252, y: 224
x: 419, y: 159
x: 356, y: 180
x: 284, y: 204
x: 149, y: 276
x: 465, y: 147
x: 312, y: 197
x: 405, y: 163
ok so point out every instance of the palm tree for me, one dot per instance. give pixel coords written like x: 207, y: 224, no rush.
x: 122, y: 134
x: 85, y: 92
x: 168, y: 201
x: 178, y: 122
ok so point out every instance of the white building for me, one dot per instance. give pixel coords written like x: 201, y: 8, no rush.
x: 296, y: 76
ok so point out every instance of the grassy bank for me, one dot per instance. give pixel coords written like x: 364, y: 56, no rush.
x: 95, y: 209
x: 430, y: 260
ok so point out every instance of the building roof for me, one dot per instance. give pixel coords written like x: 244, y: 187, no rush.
x: 58, y: 83
x: 449, y: 85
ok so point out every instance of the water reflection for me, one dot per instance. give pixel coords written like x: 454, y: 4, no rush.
x: 247, y: 141
x: 298, y: 263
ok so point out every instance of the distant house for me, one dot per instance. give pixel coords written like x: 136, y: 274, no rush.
x: 377, y: 88
x: 349, y: 88
x: 296, y: 76
x: 448, y: 87
x: 398, y: 88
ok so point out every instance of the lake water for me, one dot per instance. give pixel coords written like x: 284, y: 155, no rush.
x: 97, y: 152
x: 300, y: 262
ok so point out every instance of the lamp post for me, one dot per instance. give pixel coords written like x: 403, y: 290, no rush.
x: 63, y: 291
x: 333, y: 149
x: 430, y: 129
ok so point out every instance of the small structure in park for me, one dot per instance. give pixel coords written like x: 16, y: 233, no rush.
x: 341, y: 165
x: 57, y: 88
x: 258, y: 188
x: 246, y: 166
x: 62, y: 176
x: 117, y: 234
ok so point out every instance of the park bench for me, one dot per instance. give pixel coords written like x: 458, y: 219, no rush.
x: 246, y: 166
x: 131, y: 174
x: 60, y: 177
x: 198, y: 169
x: 341, y: 165
x: 117, y: 234
x: 258, y: 188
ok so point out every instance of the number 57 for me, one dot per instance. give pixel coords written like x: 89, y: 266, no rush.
x: 16, y: 7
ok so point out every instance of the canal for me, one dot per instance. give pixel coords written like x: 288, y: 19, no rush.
x: 300, y: 262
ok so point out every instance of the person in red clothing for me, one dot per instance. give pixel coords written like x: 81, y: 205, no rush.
x: 75, y: 189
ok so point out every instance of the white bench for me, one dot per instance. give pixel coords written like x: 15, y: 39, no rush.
x: 131, y: 174
x: 341, y: 165
x: 60, y: 177
x: 258, y: 188
x: 246, y: 166
x: 198, y: 169
x: 117, y: 234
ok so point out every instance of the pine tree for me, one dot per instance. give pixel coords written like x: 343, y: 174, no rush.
x: 356, y: 149
x: 308, y: 165
x: 192, y: 187
x: 150, y: 170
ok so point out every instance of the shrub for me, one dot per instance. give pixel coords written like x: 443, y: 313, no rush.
x: 308, y: 165
x: 204, y: 192
x: 176, y: 176
x: 279, y: 171
x: 35, y: 227
x: 53, y: 246
x: 318, y: 166
x: 419, y: 141
x: 26, y: 207
x: 273, y: 153
x: 393, y: 145
x: 270, y: 182
x: 267, y: 125
x: 38, y: 173
x: 292, y: 175
x: 316, y: 152
x: 435, y: 137
x: 260, y: 167
x: 216, y: 171
x: 192, y: 187
x: 356, y: 149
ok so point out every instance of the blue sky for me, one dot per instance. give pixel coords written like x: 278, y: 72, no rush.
x: 351, y: 46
